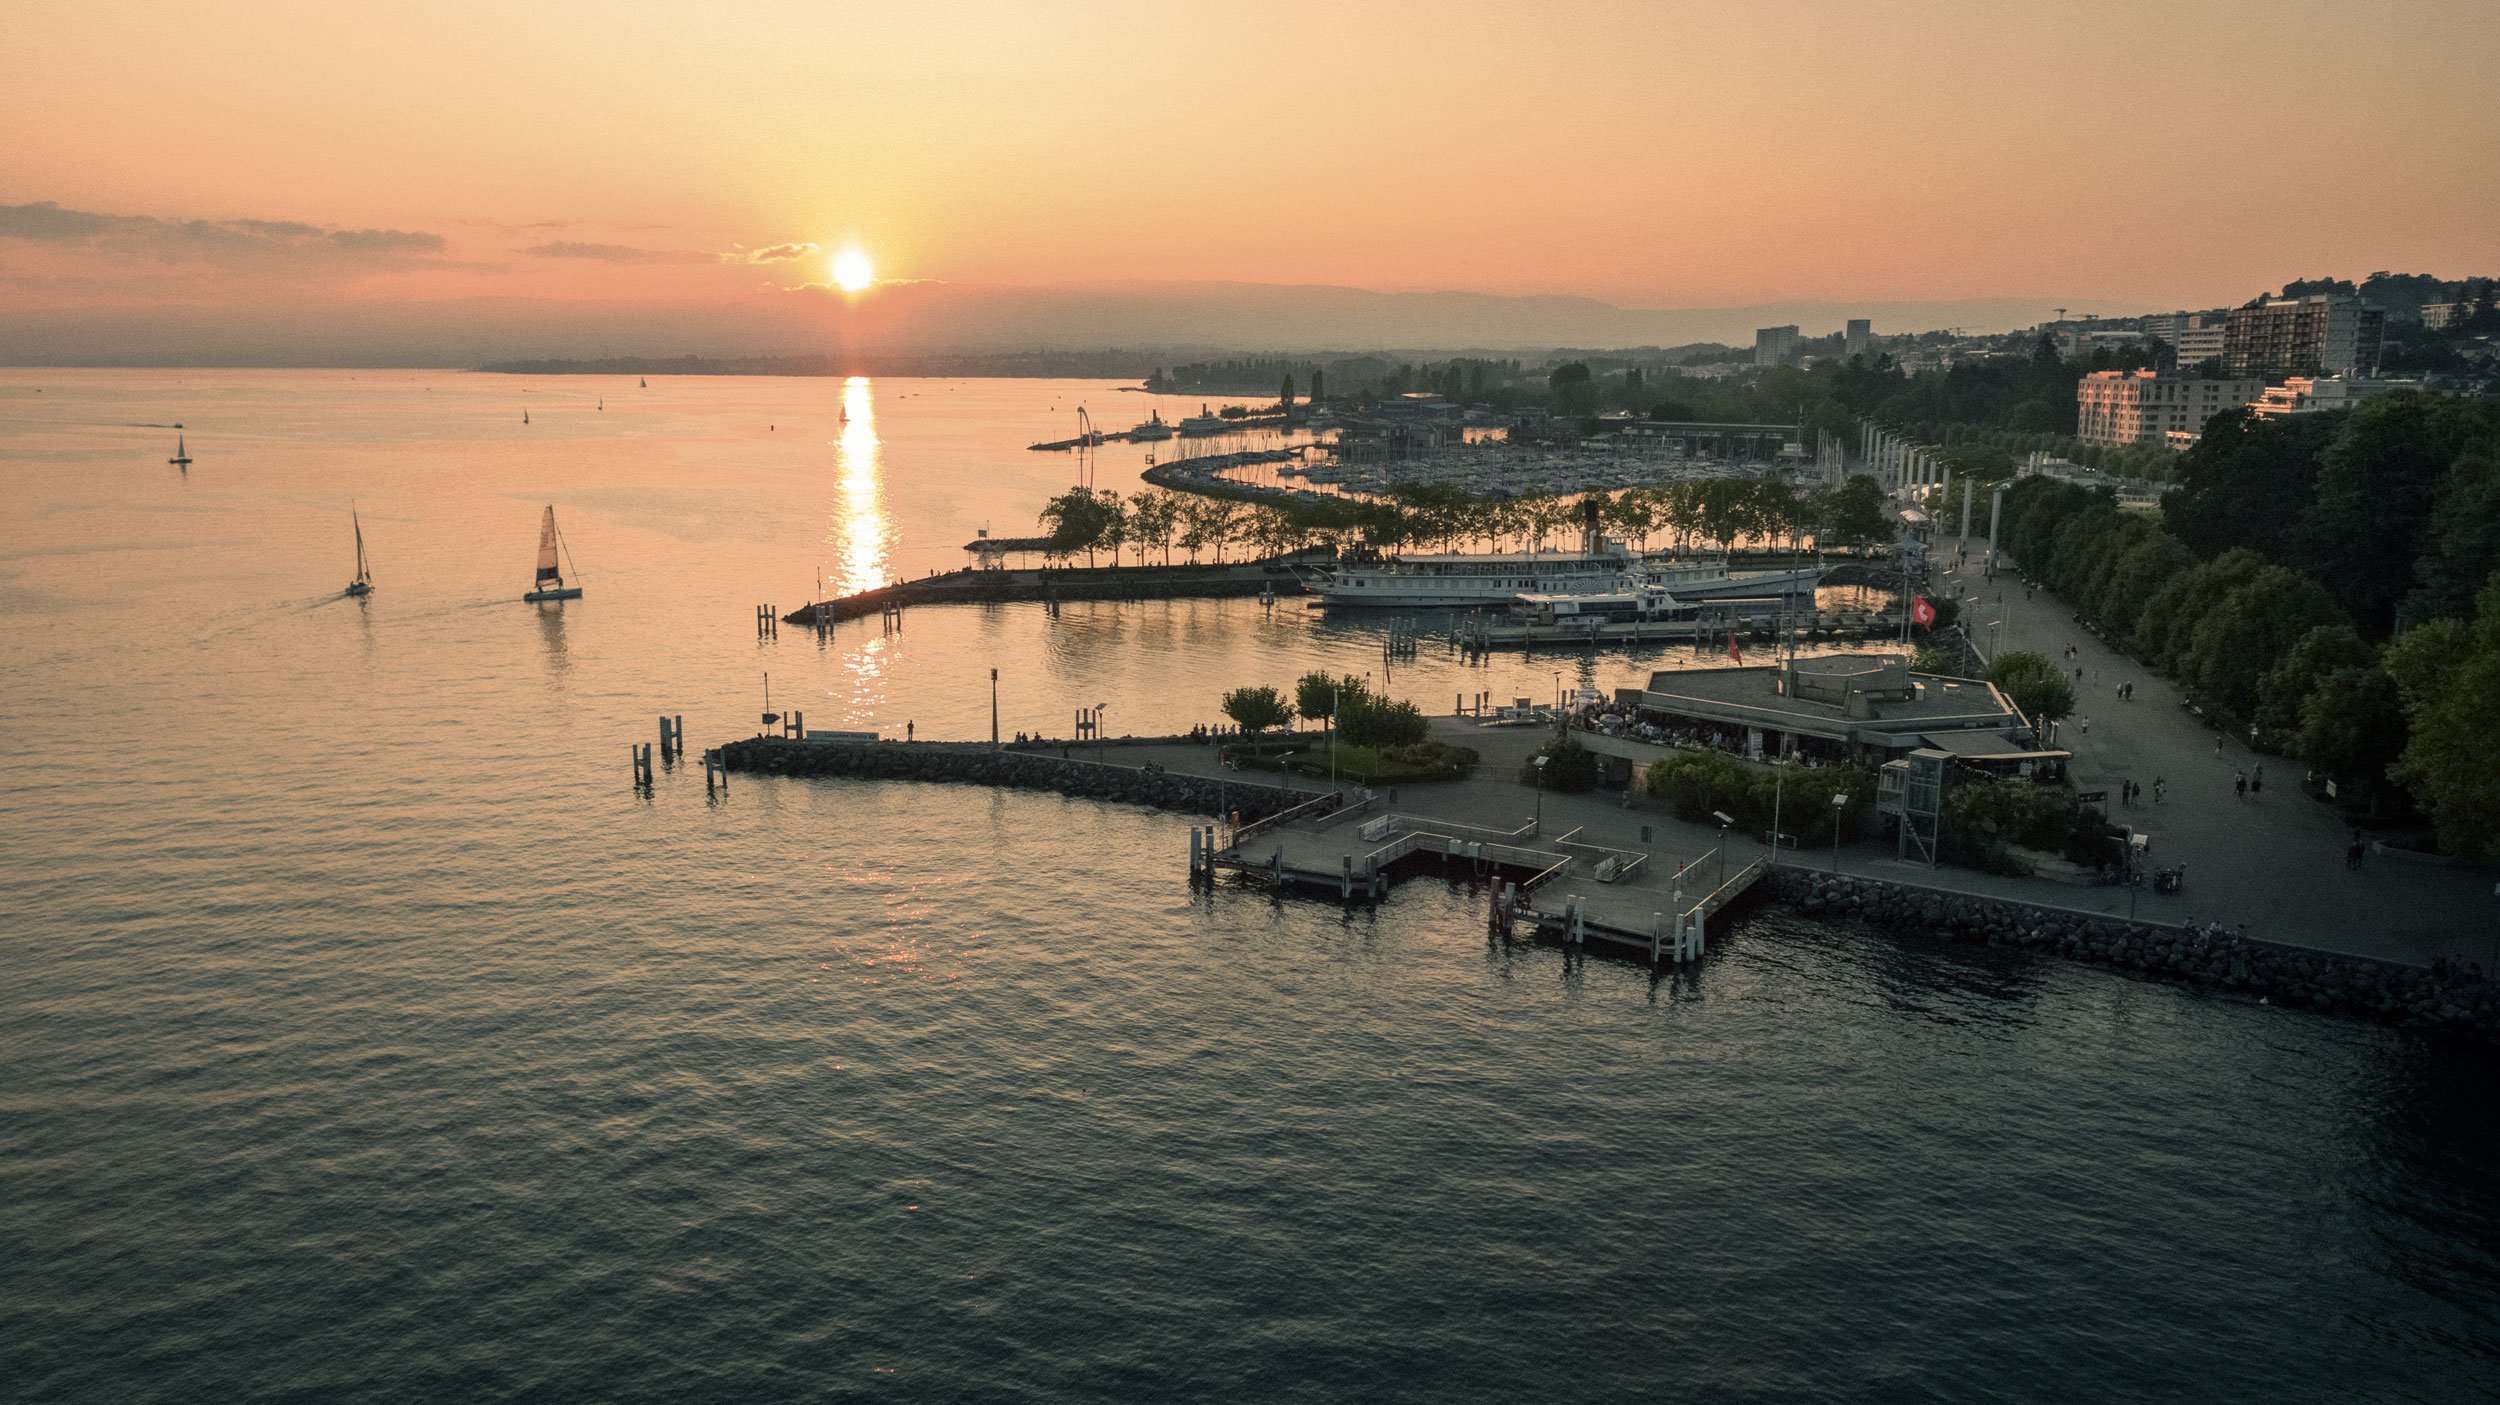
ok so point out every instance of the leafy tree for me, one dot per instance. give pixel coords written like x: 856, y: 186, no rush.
x: 2447, y: 673
x: 2169, y: 618
x: 1320, y: 696
x: 1570, y: 768
x: 1257, y: 709
x: 2240, y: 636
x: 1851, y: 513
x: 1380, y: 722
x: 2464, y: 537
x: 2377, y: 479
x: 2352, y: 726
x: 1573, y: 389
x: 2040, y: 688
x: 1080, y: 520
x: 2247, y: 483
x: 2139, y: 572
x: 2281, y: 698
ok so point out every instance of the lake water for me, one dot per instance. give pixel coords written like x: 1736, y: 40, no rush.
x: 367, y: 1037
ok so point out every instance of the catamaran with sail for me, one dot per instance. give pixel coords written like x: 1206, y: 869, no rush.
x: 549, y: 584
x: 363, y: 584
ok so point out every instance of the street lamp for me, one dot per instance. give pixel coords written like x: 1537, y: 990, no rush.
x: 1840, y: 801
x: 1726, y: 821
x: 1779, y: 783
x: 1539, y: 765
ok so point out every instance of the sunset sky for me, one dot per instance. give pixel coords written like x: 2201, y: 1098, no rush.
x: 1666, y: 155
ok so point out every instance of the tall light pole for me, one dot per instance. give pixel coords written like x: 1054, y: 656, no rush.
x: 993, y: 709
x: 1539, y: 765
x: 1726, y: 822
x: 1779, y: 783
x: 1329, y: 732
x: 1840, y: 802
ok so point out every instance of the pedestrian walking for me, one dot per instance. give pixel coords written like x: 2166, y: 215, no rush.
x: 2217, y: 743
x: 2354, y: 851
x: 2241, y: 785
x: 2158, y: 785
x: 907, y: 727
x: 2086, y: 724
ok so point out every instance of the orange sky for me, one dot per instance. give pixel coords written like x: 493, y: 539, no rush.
x: 1651, y: 155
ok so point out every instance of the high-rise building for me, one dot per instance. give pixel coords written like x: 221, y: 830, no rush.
x: 2196, y: 336
x: 1774, y: 346
x: 2309, y: 395
x: 2121, y: 408
x: 2322, y: 334
x: 1859, y: 340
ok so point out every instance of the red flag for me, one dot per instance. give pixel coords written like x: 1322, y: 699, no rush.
x: 1922, y: 614
x: 1731, y: 647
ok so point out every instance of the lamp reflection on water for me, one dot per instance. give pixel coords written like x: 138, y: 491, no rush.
x: 860, y: 531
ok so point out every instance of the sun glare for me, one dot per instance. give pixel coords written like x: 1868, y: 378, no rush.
x: 851, y: 272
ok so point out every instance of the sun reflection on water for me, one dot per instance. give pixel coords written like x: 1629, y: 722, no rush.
x: 860, y: 532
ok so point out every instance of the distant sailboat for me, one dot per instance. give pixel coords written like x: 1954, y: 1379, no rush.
x: 182, y: 456
x: 549, y: 584
x: 644, y: 381
x: 363, y: 584
x: 525, y: 414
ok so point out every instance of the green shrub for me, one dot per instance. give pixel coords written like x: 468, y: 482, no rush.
x: 1570, y: 768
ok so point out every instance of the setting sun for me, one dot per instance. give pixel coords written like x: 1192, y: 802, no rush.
x: 851, y: 272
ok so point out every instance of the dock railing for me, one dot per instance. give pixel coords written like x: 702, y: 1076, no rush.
x: 1330, y: 805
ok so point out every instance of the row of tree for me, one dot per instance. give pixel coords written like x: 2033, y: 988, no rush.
x: 2273, y: 582
x: 1721, y: 510
x: 1345, y: 704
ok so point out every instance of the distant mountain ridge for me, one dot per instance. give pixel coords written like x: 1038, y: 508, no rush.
x: 1168, y: 320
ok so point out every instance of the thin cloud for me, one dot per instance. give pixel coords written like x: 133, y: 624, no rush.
x: 780, y: 253
x: 614, y: 253
x: 243, y: 242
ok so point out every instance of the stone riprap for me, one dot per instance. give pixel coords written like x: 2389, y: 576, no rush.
x: 2407, y: 996
x: 976, y: 763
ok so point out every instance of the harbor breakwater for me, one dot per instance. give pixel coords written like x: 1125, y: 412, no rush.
x: 974, y: 763
x: 991, y: 586
x: 2407, y: 996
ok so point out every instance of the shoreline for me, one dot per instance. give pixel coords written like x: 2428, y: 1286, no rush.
x: 2386, y: 992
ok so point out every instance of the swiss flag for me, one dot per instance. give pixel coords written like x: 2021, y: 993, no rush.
x: 1922, y: 614
x: 1731, y: 647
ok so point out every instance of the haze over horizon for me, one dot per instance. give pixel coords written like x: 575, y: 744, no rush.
x: 302, y: 185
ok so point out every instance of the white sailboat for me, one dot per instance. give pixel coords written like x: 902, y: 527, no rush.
x: 182, y: 456
x: 549, y: 584
x: 363, y: 584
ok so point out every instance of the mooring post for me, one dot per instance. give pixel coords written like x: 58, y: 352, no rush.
x: 1345, y: 880
x: 1196, y: 842
x: 1657, y: 935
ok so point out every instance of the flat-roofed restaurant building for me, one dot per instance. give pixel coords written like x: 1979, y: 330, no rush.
x: 1852, y: 707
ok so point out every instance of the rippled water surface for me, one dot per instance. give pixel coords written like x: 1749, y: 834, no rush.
x: 367, y: 1037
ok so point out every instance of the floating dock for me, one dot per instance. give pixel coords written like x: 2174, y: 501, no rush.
x: 1559, y: 889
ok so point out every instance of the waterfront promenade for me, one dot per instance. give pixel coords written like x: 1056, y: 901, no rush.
x: 2271, y: 868
x: 2273, y: 860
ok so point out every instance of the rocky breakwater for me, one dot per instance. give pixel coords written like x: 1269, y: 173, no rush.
x: 974, y: 763
x: 2406, y: 996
